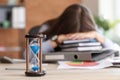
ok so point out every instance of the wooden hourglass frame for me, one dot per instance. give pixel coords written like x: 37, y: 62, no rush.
x: 28, y: 72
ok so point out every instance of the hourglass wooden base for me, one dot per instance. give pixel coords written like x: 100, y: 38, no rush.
x: 35, y: 74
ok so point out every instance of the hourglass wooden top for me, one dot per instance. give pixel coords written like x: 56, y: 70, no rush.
x: 35, y: 36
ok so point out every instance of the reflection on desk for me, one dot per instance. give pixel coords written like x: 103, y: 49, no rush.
x: 54, y: 74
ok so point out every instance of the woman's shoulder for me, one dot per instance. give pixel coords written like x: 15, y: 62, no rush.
x: 46, y: 25
x: 43, y: 27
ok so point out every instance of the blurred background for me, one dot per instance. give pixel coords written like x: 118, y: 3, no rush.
x: 17, y: 17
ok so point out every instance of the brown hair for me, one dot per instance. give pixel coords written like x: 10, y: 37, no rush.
x: 75, y: 18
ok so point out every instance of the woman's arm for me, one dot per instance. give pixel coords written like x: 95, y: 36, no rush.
x: 107, y: 43
x: 84, y: 35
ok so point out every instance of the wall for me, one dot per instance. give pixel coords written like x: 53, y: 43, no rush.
x: 93, y: 5
x: 3, y: 2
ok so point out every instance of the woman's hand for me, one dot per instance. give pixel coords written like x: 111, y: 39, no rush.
x: 60, y: 39
x: 84, y: 35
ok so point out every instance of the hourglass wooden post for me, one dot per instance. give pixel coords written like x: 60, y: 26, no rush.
x: 34, y: 55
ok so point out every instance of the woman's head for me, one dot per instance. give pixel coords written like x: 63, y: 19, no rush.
x: 69, y: 21
x: 75, y: 18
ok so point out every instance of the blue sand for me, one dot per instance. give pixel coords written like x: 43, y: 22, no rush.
x: 35, y: 48
x: 35, y: 68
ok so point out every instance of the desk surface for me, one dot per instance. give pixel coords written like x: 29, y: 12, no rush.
x: 54, y: 74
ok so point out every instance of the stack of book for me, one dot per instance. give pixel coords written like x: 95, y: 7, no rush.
x: 81, y: 45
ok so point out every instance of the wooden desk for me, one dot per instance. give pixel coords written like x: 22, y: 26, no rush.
x: 54, y: 74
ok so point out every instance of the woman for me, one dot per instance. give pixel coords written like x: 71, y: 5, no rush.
x: 76, y: 22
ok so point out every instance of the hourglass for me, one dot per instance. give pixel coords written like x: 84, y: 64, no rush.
x: 34, y: 47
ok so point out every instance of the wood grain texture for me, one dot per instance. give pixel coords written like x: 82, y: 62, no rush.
x: 52, y: 73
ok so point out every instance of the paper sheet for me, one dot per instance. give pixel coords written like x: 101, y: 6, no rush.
x: 84, y: 65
